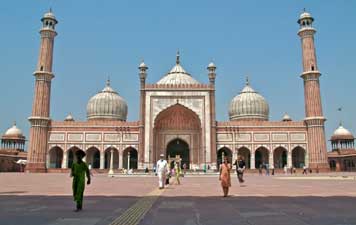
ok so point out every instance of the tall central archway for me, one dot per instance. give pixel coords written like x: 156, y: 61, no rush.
x: 178, y: 122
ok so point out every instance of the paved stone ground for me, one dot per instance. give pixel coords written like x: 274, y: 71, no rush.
x: 46, y: 199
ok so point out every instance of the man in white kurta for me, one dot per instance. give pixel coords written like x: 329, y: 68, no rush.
x: 161, y: 169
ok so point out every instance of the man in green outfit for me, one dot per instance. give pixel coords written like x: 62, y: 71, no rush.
x: 78, y: 172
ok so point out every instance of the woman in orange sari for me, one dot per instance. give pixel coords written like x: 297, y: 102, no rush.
x: 224, y: 177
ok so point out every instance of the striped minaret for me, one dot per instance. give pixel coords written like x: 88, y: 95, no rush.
x: 40, y: 117
x: 313, y: 109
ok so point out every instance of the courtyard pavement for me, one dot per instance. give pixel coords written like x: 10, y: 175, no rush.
x: 41, y: 199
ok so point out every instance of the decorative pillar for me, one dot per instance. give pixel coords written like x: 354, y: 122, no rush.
x: 141, y: 148
x: 252, y: 160
x: 64, y: 162
x: 289, y: 159
x: 313, y: 108
x: 271, y: 159
x: 111, y: 170
x: 102, y: 160
x: 120, y: 160
x: 40, y: 117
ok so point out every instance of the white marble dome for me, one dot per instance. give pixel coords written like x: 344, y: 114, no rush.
x: 248, y: 105
x: 49, y: 15
x: 177, y: 75
x: 107, y: 104
x: 14, y: 131
x: 305, y: 15
x: 342, y: 133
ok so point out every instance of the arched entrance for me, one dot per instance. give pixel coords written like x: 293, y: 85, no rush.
x: 280, y: 157
x: 55, y: 157
x: 108, y: 156
x: 179, y: 148
x: 261, y: 157
x: 224, y: 152
x: 130, y: 155
x: 298, y: 157
x: 245, y: 153
x: 332, y: 164
x: 93, y: 158
x: 178, y: 122
x: 71, y: 155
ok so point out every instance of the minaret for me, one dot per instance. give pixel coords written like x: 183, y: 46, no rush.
x: 142, y: 75
x: 212, y: 75
x: 313, y: 109
x: 41, y: 102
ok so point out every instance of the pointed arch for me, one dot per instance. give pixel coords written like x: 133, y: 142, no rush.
x: 261, y: 156
x: 130, y: 157
x: 93, y: 157
x: 224, y: 152
x: 107, y: 157
x: 246, y: 154
x: 55, y: 157
x: 280, y: 157
x: 71, y: 155
x: 298, y: 157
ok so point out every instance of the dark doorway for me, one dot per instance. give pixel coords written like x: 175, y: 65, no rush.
x: 226, y: 153
x: 179, y: 148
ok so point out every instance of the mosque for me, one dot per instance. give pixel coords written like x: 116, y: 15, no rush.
x: 176, y: 118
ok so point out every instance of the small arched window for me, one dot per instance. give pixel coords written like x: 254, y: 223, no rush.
x: 46, y: 23
x: 303, y: 23
x: 312, y: 68
x: 41, y: 69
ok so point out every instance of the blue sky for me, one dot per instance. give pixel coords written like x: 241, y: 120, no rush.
x: 97, y: 39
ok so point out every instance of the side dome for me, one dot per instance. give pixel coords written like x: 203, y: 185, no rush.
x: 177, y: 75
x: 107, y: 105
x: 248, y: 105
x: 342, y: 133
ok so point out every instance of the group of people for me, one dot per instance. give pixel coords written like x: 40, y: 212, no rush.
x: 165, y: 172
x: 224, y: 173
x: 80, y: 170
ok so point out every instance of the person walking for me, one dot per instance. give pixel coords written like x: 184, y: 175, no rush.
x: 224, y: 176
x: 260, y: 169
x: 305, y: 170
x: 78, y: 172
x: 177, y: 172
x: 161, y: 169
x: 184, y: 168
x: 267, y: 169
x: 240, y: 169
x: 272, y: 169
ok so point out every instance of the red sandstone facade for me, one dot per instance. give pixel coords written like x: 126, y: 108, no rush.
x: 177, y: 118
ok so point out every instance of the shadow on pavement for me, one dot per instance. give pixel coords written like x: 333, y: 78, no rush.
x: 186, y: 210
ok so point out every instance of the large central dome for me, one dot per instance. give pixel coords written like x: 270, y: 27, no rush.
x: 107, y: 104
x: 248, y: 105
x: 177, y: 75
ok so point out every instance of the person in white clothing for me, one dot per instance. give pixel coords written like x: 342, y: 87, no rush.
x: 161, y: 169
